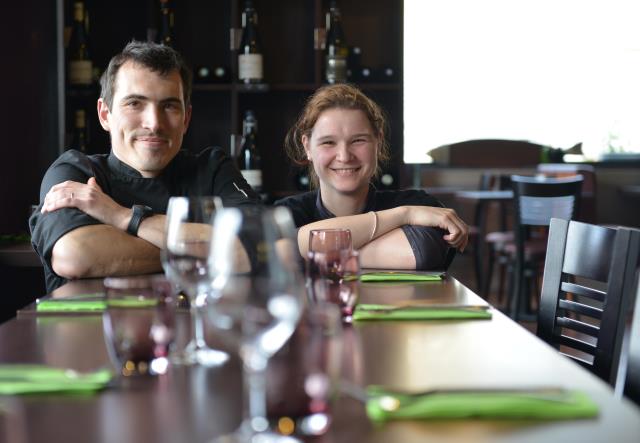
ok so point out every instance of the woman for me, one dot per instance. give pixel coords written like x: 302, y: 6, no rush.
x: 340, y: 135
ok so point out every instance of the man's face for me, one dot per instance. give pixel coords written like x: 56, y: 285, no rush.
x: 148, y: 118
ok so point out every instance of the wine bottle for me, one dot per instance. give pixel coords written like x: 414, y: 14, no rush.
x: 166, y: 24
x: 249, y: 53
x: 336, y: 50
x: 80, y: 66
x: 302, y: 180
x: 354, y: 63
x: 80, y: 130
x: 249, y: 161
x: 220, y: 74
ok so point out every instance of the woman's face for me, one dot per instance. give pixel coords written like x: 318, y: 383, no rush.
x: 343, y: 149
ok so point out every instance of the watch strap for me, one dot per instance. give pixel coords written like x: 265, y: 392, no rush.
x: 139, y: 213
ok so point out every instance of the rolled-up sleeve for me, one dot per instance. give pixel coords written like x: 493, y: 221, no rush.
x: 428, y: 246
x: 46, y: 229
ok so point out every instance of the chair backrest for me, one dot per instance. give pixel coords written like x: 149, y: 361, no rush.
x: 589, y: 186
x: 581, y: 260
x: 632, y: 380
x: 539, y: 199
x: 492, y: 181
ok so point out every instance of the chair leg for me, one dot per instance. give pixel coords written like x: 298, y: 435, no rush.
x: 501, y: 277
x: 486, y: 287
x: 516, y: 292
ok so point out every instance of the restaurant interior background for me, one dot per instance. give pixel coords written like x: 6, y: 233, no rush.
x: 39, y: 107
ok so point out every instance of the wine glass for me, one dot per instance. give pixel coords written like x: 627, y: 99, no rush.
x: 330, y: 241
x: 184, y: 258
x: 259, y: 297
x: 334, y: 281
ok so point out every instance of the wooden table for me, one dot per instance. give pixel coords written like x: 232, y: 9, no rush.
x: 195, y: 404
x: 19, y: 254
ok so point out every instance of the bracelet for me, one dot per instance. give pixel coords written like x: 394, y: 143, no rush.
x: 375, y: 225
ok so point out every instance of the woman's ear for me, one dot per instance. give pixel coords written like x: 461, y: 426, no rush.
x: 307, y: 149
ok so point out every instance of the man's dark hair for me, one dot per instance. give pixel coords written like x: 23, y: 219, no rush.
x: 158, y: 58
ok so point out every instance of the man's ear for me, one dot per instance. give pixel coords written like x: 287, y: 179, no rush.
x: 187, y: 118
x: 103, y: 114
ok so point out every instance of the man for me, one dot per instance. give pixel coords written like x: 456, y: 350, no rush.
x: 102, y: 214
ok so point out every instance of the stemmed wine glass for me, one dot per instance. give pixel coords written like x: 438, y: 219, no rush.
x: 330, y: 241
x: 255, y: 311
x: 189, y: 232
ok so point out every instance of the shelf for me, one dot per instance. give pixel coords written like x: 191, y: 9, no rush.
x: 242, y: 88
x: 252, y: 87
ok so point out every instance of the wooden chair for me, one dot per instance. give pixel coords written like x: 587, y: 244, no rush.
x: 632, y: 379
x: 536, y: 200
x: 597, y: 257
x: 589, y: 186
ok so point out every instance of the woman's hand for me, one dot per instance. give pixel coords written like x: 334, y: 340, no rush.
x: 444, y: 218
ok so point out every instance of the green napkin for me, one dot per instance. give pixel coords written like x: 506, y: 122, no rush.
x: 541, y: 405
x: 392, y: 312
x: 398, y: 276
x: 40, y: 379
x: 99, y: 305
x: 78, y: 306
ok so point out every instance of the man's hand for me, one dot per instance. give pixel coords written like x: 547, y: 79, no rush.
x: 444, y: 218
x: 88, y: 198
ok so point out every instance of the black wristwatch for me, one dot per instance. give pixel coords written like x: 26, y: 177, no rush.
x: 140, y: 212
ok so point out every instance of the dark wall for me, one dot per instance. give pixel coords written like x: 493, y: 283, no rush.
x: 28, y: 124
x: 28, y: 115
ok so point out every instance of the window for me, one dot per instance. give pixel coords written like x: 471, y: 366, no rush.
x: 553, y: 72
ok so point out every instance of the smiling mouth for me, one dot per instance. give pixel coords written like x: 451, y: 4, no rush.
x: 346, y: 171
x: 153, y: 141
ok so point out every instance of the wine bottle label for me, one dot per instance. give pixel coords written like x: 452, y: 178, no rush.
x: 336, y: 69
x: 250, y: 66
x: 80, y: 72
x: 253, y: 177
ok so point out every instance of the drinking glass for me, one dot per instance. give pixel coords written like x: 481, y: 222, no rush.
x: 334, y: 280
x: 255, y: 311
x: 330, y: 240
x: 139, y: 323
x: 303, y: 376
x: 189, y: 233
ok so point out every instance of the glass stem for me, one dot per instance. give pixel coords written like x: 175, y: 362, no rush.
x: 198, y: 329
x: 255, y: 394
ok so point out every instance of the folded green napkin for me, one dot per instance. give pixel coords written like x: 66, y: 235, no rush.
x: 95, y: 305
x: 398, y: 276
x: 35, y: 379
x: 60, y: 305
x: 541, y: 405
x: 392, y: 312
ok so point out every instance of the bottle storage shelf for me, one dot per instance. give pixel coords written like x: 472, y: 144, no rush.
x: 290, y: 35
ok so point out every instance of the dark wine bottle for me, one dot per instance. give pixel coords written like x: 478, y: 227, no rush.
x: 302, y: 180
x: 336, y: 50
x: 354, y: 63
x: 80, y: 66
x: 166, y: 24
x: 202, y: 74
x: 80, y: 130
x: 249, y: 53
x: 220, y: 74
x: 249, y: 161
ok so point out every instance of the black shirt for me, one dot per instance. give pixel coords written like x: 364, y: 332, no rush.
x: 211, y: 172
x: 429, y: 248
